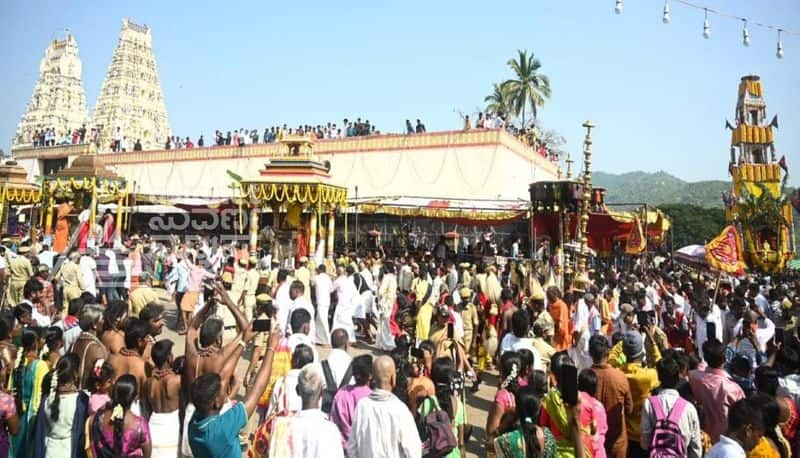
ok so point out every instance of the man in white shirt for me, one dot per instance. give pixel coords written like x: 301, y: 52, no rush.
x: 346, y: 297
x: 669, y: 403
x: 705, y: 315
x: 762, y: 327
x: 300, y: 321
x: 383, y: 425
x: 88, y: 268
x: 761, y: 299
x: 300, y: 301
x: 518, y: 338
x: 282, y: 300
x: 338, y: 359
x: 46, y: 256
x: 745, y: 429
x: 312, y: 434
x: 323, y: 286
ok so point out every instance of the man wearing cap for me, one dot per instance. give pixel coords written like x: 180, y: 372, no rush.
x: 642, y: 380
x: 469, y: 318
x: 71, y: 278
x: 20, y: 271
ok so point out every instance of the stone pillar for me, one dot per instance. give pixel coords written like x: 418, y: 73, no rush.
x: 331, y: 227
x: 312, y: 233
x: 253, y: 229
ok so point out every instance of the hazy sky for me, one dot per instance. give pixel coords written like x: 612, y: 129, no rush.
x: 659, y: 94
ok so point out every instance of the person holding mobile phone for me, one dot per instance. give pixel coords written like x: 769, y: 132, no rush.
x: 642, y: 381
x: 562, y: 402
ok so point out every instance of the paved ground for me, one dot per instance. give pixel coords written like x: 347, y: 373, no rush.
x: 477, y: 404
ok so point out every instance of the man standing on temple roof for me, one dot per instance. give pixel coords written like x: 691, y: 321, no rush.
x: 117, y: 140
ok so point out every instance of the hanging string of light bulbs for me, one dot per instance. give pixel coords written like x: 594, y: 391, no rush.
x: 618, y: 7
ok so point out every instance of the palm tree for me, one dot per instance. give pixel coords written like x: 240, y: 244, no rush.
x: 529, y: 87
x: 499, y: 100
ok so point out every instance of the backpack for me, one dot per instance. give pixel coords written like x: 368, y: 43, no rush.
x: 435, y: 431
x: 330, y: 385
x: 667, y: 441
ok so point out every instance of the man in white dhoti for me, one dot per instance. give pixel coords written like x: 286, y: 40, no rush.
x: 283, y: 302
x: 300, y: 301
x: 312, y: 434
x: 383, y: 425
x: 346, y: 297
x: 323, y: 286
x: 161, y: 393
x: 387, y: 294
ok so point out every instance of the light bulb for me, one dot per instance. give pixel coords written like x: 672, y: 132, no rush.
x: 779, y: 53
x: 618, y: 7
x: 706, y: 27
x: 745, y: 34
x: 665, y: 19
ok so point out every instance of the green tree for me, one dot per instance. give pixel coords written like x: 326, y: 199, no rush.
x: 529, y: 87
x: 692, y: 224
x: 499, y: 101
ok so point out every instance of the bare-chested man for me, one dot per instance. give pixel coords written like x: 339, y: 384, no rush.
x: 153, y: 314
x: 161, y: 396
x: 88, y: 346
x: 115, y: 318
x: 205, y: 353
x: 130, y: 360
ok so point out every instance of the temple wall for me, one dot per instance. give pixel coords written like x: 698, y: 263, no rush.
x: 478, y: 164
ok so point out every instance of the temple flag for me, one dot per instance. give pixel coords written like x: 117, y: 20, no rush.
x: 724, y: 253
x: 636, y: 240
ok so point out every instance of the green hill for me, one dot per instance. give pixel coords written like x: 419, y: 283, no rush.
x: 660, y: 188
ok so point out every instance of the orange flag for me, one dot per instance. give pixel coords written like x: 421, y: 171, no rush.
x: 725, y: 251
x: 636, y: 240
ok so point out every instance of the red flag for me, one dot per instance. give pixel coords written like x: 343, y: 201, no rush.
x: 725, y: 251
x: 783, y: 165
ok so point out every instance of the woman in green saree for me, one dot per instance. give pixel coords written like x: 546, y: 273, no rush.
x: 27, y: 385
x: 529, y: 440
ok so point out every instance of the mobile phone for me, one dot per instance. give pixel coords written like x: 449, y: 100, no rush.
x: 780, y: 335
x: 643, y: 318
x: 568, y: 384
x: 711, y: 331
x: 450, y: 330
x: 262, y: 325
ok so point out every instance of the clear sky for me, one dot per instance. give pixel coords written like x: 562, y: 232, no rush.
x: 659, y: 94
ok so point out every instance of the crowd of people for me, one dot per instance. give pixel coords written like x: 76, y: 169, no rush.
x: 657, y: 360
x: 48, y: 137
